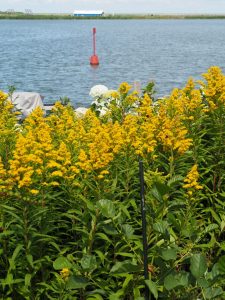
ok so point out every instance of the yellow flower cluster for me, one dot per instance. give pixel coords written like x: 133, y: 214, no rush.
x: 145, y: 108
x: 49, y: 151
x: 172, y: 133
x: 186, y: 102
x: 124, y: 88
x: 65, y: 273
x: 113, y: 94
x: 139, y: 136
x: 3, y: 183
x: 37, y: 160
x: 7, y: 124
x: 214, y: 87
x: 191, y: 180
x: 99, y: 143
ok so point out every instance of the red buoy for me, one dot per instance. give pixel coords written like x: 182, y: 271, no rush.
x: 94, y: 61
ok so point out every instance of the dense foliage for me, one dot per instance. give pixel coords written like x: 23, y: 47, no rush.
x: 70, y: 220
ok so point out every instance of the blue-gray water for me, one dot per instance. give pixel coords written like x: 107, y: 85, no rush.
x: 52, y: 57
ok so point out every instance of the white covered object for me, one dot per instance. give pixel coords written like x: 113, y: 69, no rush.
x: 81, y: 111
x: 26, y: 102
x: 97, y: 91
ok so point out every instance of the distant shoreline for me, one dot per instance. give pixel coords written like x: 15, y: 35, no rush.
x: 23, y: 16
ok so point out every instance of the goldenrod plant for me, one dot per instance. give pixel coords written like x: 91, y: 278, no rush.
x: 70, y: 219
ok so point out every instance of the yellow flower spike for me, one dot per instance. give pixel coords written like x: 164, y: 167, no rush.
x: 104, y: 172
x: 3, y: 97
x: 145, y: 108
x: 35, y: 153
x: 171, y: 131
x: 34, y: 192
x: 191, y: 180
x: 56, y: 174
x: 65, y: 273
x: 190, y: 193
x: 52, y: 164
x: 114, y: 95
x: 2, y: 169
x: 3, y: 177
x: 54, y: 183
x: 8, y: 126
x: 124, y: 88
x: 189, y: 86
x: 131, y: 99
x: 39, y: 171
x: 214, y: 87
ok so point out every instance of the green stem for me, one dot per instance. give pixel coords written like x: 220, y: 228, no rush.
x: 171, y: 163
x: 92, y: 232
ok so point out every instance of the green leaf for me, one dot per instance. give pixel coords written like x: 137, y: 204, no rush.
x: 128, y: 230
x: 9, y: 279
x: 210, y: 227
x: 161, y: 227
x: 213, y: 292
x: 27, y: 279
x: 125, y: 210
x: 30, y: 260
x: 159, y: 190
x: 214, y: 215
x: 97, y: 292
x: 126, y: 266
x: 126, y: 254
x: 175, y: 180
x: 95, y: 297
x: 116, y: 296
x: 175, y: 280
x: 110, y: 230
x: 156, y: 194
x: 198, y: 265
x: 100, y: 255
x: 103, y: 236
x: 211, y: 243
x: 215, y: 271
x: 162, y: 188
x: 137, y: 292
x: 127, y: 280
x: 221, y: 264
x: 88, y: 263
x: 61, y: 262
x: 152, y: 287
x: 107, y: 208
x: 89, y: 204
x: 169, y: 254
x: 76, y: 282
x: 6, y: 233
x: 222, y: 246
x: 203, y: 282
x: 17, y: 251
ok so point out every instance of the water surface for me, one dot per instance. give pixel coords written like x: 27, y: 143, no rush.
x: 52, y: 57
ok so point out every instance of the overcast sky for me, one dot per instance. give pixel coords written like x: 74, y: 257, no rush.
x: 118, y: 6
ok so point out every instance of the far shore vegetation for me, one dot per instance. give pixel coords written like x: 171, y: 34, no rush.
x: 35, y: 16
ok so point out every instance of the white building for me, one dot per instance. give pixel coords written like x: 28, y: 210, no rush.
x: 88, y: 13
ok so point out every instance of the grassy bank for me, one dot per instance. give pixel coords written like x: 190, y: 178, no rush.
x: 23, y: 16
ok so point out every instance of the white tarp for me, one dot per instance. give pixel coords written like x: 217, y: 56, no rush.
x: 26, y: 102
